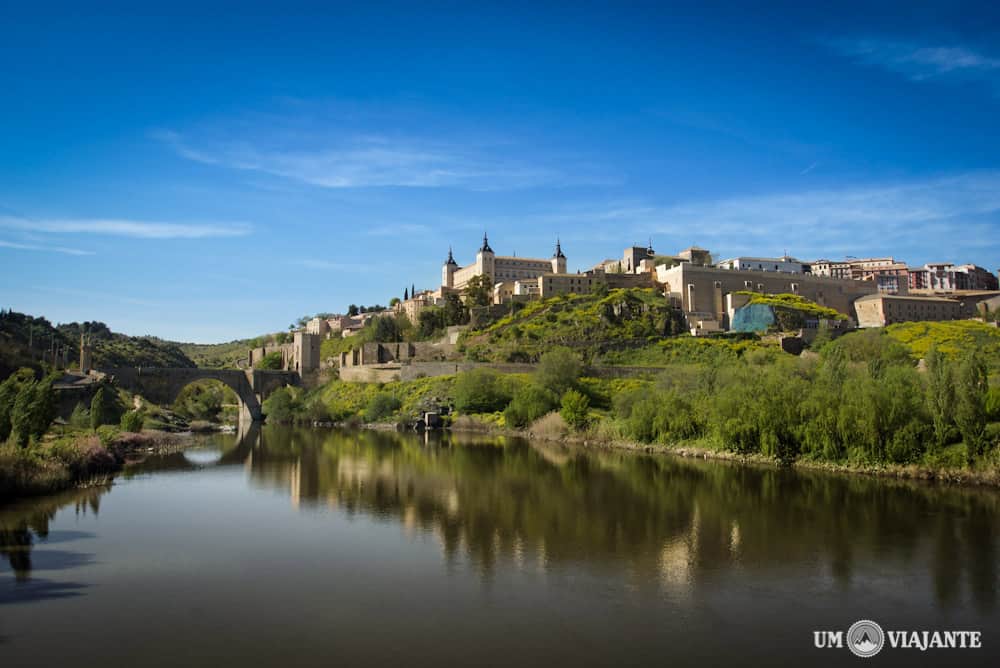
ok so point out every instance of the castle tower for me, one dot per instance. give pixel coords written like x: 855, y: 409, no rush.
x: 558, y: 260
x: 486, y: 260
x: 86, y: 354
x: 448, y: 271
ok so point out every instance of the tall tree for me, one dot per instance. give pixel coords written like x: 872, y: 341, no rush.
x: 941, y: 396
x: 106, y: 407
x: 970, y: 415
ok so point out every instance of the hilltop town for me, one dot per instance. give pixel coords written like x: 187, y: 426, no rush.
x: 707, y: 298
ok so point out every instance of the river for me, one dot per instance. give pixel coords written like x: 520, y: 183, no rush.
x: 295, y: 547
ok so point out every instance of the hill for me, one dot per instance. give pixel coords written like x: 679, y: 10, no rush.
x: 26, y: 340
x: 219, y: 355
x: 590, y: 323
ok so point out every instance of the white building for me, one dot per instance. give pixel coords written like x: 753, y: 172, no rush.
x: 786, y: 264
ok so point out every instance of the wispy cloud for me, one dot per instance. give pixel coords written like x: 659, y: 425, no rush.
x: 923, y: 218
x: 920, y: 62
x: 127, y: 228
x: 364, y: 161
x: 43, y: 248
x: 809, y: 169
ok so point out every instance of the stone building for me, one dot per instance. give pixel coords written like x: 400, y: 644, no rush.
x: 701, y: 290
x: 499, y: 268
x: 879, y: 310
x: 302, y: 354
x: 550, y: 285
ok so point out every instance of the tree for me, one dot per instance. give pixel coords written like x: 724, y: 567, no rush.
x: 106, y: 407
x: 282, y: 405
x: 381, y: 406
x: 455, y: 312
x: 34, y: 410
x: 406, y: 295
x: 394, y: 301
x: 970, y: 415
x: 530, y: 403
x: 386, y: 329
x: 478, y: 291
x: 9, y: 390
x: 21, y: 418
x: 558, y: 370
x: 480, y: 391
x: 430, y: 322
x: 46, y: 406
x: 352, y: 310
x: 574, y: 409
x: 941, y: 396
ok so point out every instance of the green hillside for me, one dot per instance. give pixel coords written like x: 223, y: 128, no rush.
x: 590, y: 323
x: 219, y: 355
x: 953, y: 338
x: 26, y: 340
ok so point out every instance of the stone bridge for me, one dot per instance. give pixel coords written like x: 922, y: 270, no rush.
x: 162, y: 385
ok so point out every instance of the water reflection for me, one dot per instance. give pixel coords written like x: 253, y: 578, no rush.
x: 677, y: 522
x: 678, y: 525
x: 24, y: 524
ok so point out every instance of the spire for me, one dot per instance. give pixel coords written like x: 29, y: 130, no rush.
x: 649, y: 248
x: 558, y: 253
x: 451, y: 258
x: 486, y: 245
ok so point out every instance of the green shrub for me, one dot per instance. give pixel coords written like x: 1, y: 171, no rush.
x: 480, y: 391
x: 132, y: 421
x: 80, y: 418
x: 559, y: 370
x: 281, y: 405
x: 107, y: 433
x: 381, y: 406
x: 575, y: 408
x: 272, y: 361
x: 530, y: 402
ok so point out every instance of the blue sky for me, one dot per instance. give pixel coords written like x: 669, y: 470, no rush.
x: 213, y: 172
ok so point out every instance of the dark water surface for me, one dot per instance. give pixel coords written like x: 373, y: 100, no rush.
x: 312, y: 547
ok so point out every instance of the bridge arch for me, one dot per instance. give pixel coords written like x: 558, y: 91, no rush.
x: 163, y: 385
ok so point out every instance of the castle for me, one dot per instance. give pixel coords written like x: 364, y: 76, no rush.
x: 500, y: 268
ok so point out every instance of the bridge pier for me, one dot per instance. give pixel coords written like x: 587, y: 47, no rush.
x: 250, y: 411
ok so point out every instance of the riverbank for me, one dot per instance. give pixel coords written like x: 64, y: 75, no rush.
x: 79, y: 459
x: 953, y: 475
